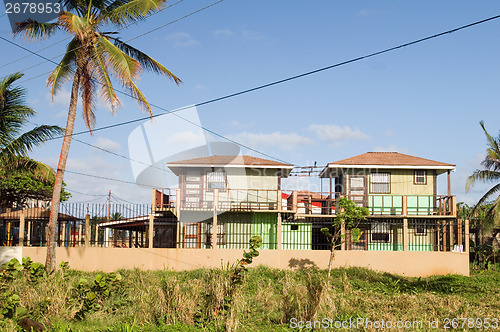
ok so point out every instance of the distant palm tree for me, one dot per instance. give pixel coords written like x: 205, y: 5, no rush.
x: 116, y: 216
x: 491, y: 173
x: 92, y: 57
x: 14, y: 143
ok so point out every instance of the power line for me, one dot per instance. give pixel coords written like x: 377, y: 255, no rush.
x: 268, y: 84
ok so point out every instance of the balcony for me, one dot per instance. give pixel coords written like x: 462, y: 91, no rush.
x: 300, y: 202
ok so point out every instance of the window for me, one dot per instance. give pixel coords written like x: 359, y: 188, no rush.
x: 381, y: 232
x: 221, y: 234
x: 216, y: 180
x: 420, y: 228
x: 420, y: 177
x: 380, y: 183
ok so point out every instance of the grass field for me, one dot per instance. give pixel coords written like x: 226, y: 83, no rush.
x: 265, y: 300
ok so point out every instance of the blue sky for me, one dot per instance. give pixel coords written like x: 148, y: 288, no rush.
x: 424, y: 100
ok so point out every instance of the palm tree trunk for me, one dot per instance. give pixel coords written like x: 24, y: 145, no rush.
x: 50, y: 261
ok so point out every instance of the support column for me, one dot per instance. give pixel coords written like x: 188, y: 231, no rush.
x: 280, y: 203
x: 343, y: 239
x: 88, y: 232
x: 80, y: 227
x: 406, y: 238
x: 459, y: 232
x: 178, y: 214
x: 214, y: 219
x: 28, y: 237
x: 449, y: 184
x: 21, y: 230
x: 151, y: 230
x: 466, y: 249
x: 63, y: 234
x: 106, y: 237
x: 96, y: 240
x: 404, y: 211
x: 279, y: 233
x: 294, y: 200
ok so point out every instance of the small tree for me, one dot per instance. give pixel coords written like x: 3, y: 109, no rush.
x: 350, y: 215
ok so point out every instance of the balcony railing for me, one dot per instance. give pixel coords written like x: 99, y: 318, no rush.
x: 301, y: 202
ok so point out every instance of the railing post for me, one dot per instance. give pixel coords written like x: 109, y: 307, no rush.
x: 96, y: 239
x: 88, y: 232
x: 151, y: 230
x: 454, y: 206
x: 466, y: 236
x: 153, y: 199
x: 406, y: 236
x: 214, y: 219
x: 279, y: 232
x: 63, y: 234
x: 405, y: 205
x: 21, y: 229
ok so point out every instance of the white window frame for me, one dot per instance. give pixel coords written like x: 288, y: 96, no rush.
x: 380, y: 178
x: 420, y: 176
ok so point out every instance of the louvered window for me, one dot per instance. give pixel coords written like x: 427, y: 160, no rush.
x: 420, y: 177
x: 380, y: 183
x: 216, y: 180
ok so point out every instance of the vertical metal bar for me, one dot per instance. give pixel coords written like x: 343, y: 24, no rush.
x: 406, y: 236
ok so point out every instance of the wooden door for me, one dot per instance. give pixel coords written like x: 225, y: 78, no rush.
x: 193, y: 191
x: 192, y: 235
x: 357, y: 190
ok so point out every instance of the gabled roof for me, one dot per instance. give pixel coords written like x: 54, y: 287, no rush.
x: 387, y: 160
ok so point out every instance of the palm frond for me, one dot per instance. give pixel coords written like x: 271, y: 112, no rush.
x: 481, y: 175
x: 14, y: 165
x: 65, y: 69
x: 492, y: 143
x: 32, y: 29
x: 133, y: 10
x: 24, y: 143
x: 108, y: 93
x: 145, y: 60
x: 485, y: 197
x: 74, y: 24
x: 125, y: 67
x: 139, y: 96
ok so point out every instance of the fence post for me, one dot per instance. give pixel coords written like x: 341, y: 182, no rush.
x: 63, y: 234
x: 294, y: 200
x: 28, y: 237
x: 466, y: 236
x: 21, y: 229
x: 214, y: 219
x: 454, y: 206
x: 79, y: 235
x: 96, y: 240
x: 106, y: 237
x: 87, y: 230
x: 406, y: 237
x: 178, y: 215
x: 343, y: 239
x: 279, y: 232
x: 150, y: 230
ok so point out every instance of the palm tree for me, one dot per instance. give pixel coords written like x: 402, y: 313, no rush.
x: 491, y: 172
x: 14, y: 143
x: 92, y: 57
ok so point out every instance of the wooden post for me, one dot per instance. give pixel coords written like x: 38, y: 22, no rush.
x: 445, y: 235
x: 63, y: 234
x: 405, y: 206
x: 151, y: 230
x: 96, y: 240
x: 452, y: 235
x: 294, y: 200
x: 88, y: 232
x: 343, y: 239
x: 21, y: 229
x: 80, y: 234
x: 106, y: 237
x: 449, y: 184
x: 406, y: 237
x: 466, y: 249
x: 153, y: 199
x: 459, y: 232
x: 454, y: 206
x: 28, y: 237
x: 280, y: 203
x: 214, y: 219
x: 279, y: 233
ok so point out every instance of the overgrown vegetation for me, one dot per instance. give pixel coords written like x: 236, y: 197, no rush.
x: 209, y: 299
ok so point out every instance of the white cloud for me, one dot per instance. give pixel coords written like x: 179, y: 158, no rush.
x: 336, y: 135
x: 107, y: 144
x: 284, y: 141
x: 389, y: 133
x: 182, y: 39
x: 61, y: 98
x: 200, y: 87
x: 186, y: 137
x: 253, y: 35
x: 390, y: 148
x: 223, y: 33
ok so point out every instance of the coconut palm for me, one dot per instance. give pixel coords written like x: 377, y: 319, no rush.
x: 491, y: 173
x: 92, y: 57
x: 14, y: 143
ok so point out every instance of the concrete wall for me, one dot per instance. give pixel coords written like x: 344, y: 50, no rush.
x: 110, y: 259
